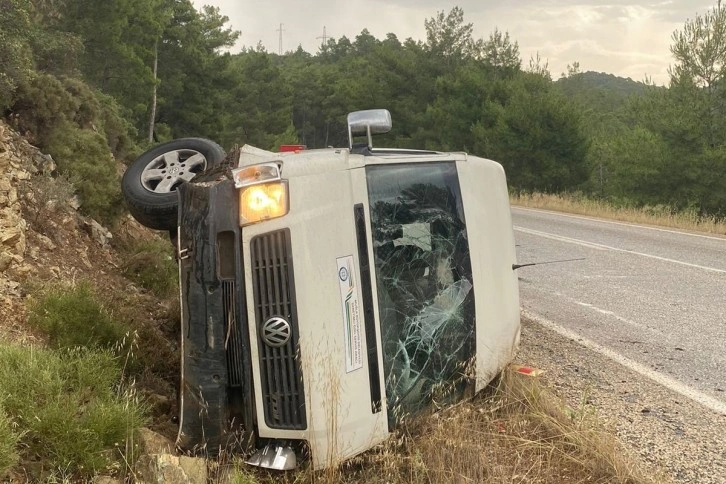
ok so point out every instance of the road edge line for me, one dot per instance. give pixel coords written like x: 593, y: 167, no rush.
x: 672, y: 384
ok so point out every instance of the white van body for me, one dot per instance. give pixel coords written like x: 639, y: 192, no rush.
x: 348, y: 381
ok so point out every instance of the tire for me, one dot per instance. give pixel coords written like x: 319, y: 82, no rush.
x: 149, y: 184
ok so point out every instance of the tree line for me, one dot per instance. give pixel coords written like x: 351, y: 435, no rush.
x: 88, y: 80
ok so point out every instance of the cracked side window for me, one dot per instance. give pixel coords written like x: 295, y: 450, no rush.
x: 425, y: 287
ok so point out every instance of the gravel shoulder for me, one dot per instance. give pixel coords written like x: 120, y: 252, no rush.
x: 665, y: 430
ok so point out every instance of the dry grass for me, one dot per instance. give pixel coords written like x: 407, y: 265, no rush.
x: 651, y: 215
x: 516, y: 432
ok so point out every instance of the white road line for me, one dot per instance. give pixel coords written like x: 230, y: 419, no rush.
x: 671, y: 383
x: 594, y: 245
x: 611, y: 314
x: 626, y: 224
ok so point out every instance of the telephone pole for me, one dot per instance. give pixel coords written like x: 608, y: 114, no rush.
x: 280, y: 31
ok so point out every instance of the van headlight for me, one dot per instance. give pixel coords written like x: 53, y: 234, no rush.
x: 263, y: 194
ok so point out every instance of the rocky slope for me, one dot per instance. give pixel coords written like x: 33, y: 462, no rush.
x: 45, y: 240
x: 42, y: 236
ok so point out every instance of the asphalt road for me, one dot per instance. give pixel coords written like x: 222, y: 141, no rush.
x: 653, y: 298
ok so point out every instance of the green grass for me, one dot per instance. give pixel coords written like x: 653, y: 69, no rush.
x: 73, y: 413
x: 151, y: 265
x: 8, y: 443
x: 73, y: 316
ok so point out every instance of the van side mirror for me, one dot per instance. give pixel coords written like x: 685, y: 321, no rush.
x: 367, y: 123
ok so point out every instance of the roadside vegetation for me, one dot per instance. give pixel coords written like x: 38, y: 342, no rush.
x: 65, y: 412
x: 73, y: 315
x: 152, y: 265
x: 516, y: 431
x: 661, y: 215
x: 71, y: 411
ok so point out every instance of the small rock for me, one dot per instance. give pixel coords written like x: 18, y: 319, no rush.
x: 154, y: 443
x: 24, y: 270
x: 167, y: 468
x: 10, y: 236
x: 5, y: 261
x: 106, y: 480
x: 46, y: 242
x: 160, y: 404
x: 75, y: 202
x: 22, y: 175
x: 195, y: 468
x: 98, y: 232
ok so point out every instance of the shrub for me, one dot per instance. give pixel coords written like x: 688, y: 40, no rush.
x: 84, y: 157
x: 151, y: 264
x: 75, y: 316
x: 15, y: 53
x: 81, y: 128
x: 69, y: 406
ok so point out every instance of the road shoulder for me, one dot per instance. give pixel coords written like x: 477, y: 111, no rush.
x: 663, y: 428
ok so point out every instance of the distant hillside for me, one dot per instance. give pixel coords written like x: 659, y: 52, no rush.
x: 600, y: 91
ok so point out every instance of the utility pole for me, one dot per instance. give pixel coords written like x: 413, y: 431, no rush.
x: 280, y: 31
x: 324, y: 38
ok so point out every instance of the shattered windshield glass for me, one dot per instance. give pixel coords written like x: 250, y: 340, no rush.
x: 425, y: 292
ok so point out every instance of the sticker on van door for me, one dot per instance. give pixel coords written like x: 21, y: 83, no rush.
x: 351, y: 314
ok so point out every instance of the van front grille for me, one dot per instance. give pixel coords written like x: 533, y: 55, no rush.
x: 283, y: 394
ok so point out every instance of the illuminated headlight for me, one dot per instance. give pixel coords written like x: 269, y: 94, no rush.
x: 263, y: 194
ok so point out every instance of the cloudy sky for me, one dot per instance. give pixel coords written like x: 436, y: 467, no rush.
x: 629, y: 38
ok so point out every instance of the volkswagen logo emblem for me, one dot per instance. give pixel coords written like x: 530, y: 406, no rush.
x: 276, y: 332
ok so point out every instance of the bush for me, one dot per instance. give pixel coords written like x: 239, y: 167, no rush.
x: 15, y: 52
x: 151, y: 264
x: 8, y: 443
x: 81, y: 128
x: 69, y: 406
x: 84, y: 157
x: 75, y: 316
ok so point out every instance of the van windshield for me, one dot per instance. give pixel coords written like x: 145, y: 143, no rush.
x: 425, y: 286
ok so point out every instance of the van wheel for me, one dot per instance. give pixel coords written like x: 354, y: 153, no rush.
x: 150, y: 183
